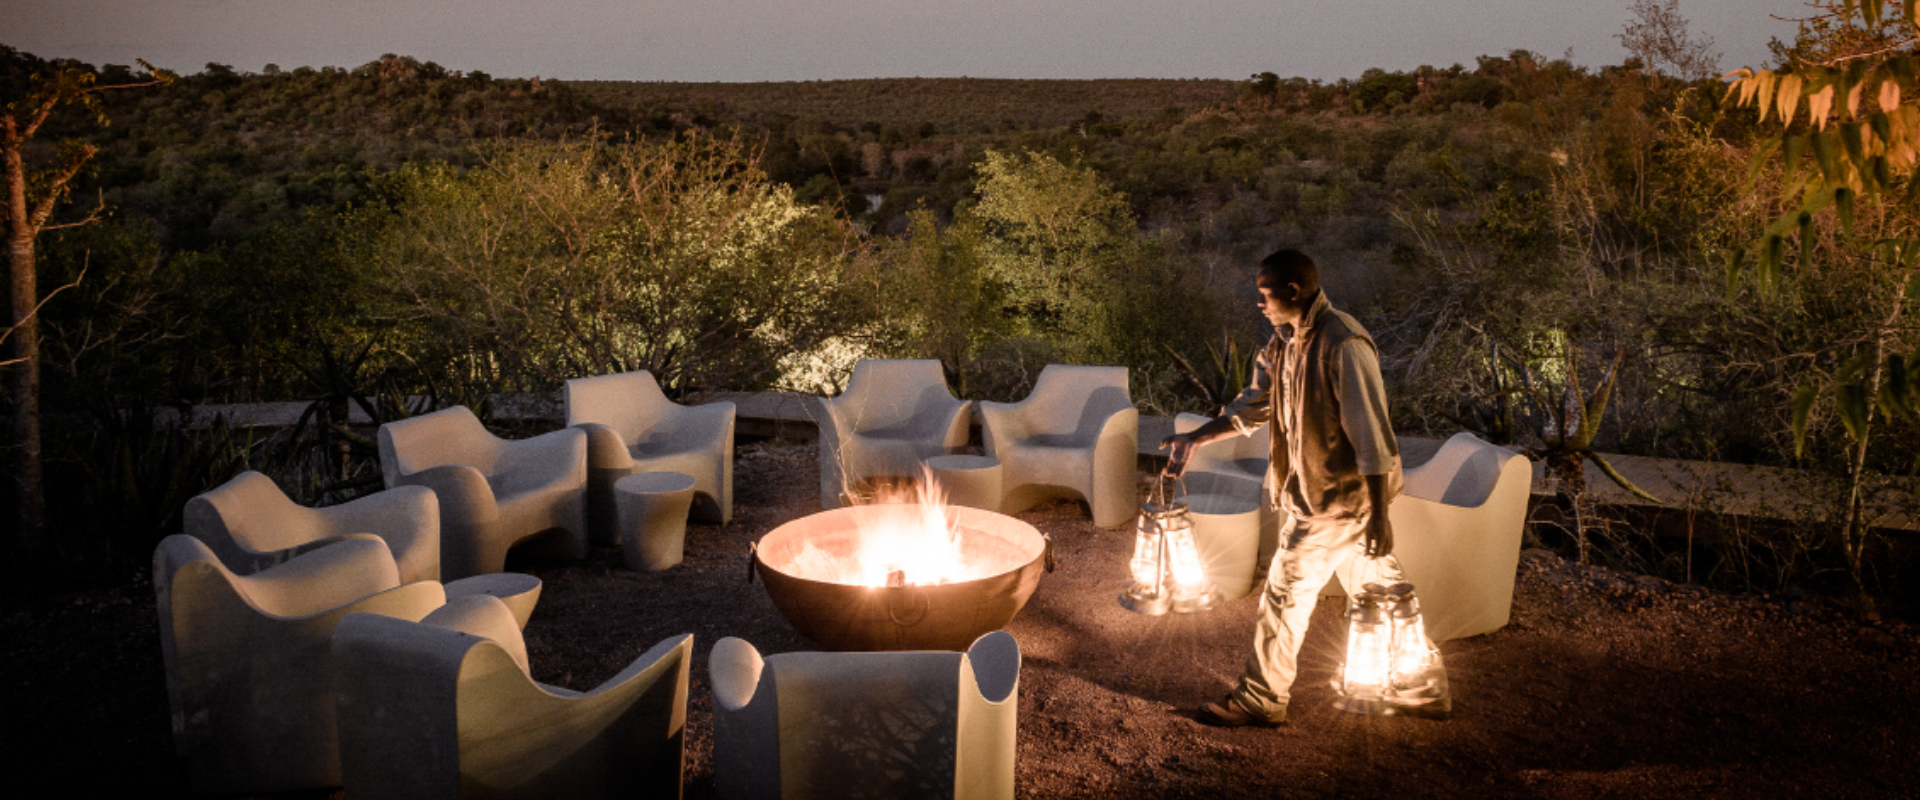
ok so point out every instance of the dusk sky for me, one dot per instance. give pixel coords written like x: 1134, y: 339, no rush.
x: 785, y: 40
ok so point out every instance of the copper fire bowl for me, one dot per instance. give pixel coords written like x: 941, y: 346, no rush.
x: 948, y: 616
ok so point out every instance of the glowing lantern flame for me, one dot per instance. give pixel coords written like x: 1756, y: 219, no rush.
x: 1167, y: 573
x: 1391, y: 667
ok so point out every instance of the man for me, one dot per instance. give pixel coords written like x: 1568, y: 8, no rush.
x: 1334, y: 466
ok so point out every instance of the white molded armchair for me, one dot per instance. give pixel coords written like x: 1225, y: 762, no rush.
x: 632, y: 427
x: 249, y: 658
x: 894, y: 415
x: 445, y: 708
x: 837, y: 725
x: 493, y: 492
x: 252, y: 525
x: 1456, y: 531
x: 1076, y: 435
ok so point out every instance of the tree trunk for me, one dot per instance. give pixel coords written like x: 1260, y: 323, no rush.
x: 29, y: 499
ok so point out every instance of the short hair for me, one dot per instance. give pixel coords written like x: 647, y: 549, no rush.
x: 1292, y: 266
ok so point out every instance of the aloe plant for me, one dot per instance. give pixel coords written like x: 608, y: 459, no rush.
x: 1231, y: 371
x: 1566, y: 420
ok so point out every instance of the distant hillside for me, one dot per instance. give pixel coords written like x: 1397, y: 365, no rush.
x: 950, y: 105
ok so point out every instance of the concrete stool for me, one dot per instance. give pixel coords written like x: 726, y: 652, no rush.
x: 1226, y: 530
x: 519, y: 592
x: 972, y: 481
x: 652, y: 516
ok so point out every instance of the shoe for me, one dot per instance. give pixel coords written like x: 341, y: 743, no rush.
x: 1230, y: 713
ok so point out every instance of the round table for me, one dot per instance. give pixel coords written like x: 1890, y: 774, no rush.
x: 519, y: 592
x: 972, y: 481
x: 652, y: 516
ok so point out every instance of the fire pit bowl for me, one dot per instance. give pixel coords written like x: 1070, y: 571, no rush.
x: 844, y: 616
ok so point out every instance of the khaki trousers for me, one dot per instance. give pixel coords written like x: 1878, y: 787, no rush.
x: 1310, y: 553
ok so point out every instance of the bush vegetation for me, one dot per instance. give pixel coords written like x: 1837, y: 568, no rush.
x: 451, y: 236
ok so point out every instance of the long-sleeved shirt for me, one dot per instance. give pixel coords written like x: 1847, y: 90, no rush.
x: 1318, y: 384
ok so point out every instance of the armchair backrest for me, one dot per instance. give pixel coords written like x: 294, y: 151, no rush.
x: 1462, y: 473
x: 631, y: 403
x: 886, y: 394
x: 445, y: 708
x: 250, y: 512
x: 903, y: 724
x: 449, y: 436
x: 1077, y: 400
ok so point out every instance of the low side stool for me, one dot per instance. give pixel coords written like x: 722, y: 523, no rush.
x: 652, y: 515
x: 1226, y: 530
x: 972, y: 481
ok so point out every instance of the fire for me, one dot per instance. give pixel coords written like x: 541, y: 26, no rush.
x: 912, y: 539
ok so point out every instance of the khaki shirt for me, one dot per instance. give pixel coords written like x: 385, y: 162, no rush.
x: 1319, y: 387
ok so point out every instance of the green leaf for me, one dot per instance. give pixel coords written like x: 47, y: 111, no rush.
x: 1770, y: 264
x: 1851, y: 142
x: 1827, y: 152
x: 1851, y: 400
x: 1843, y: 206
x: 1806, y: 240
x: 1614, y: 475
x: 1795, y: 146
x: 1803, y: 398
x: 1852, y: 367
x: 1894, y: 386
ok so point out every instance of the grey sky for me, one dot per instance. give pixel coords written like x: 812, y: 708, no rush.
x: 767, y: 40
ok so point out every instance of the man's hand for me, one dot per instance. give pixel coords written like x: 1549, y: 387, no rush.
x: 1379, y: 531
x: 1379, y: 535
x: 1182, y: 445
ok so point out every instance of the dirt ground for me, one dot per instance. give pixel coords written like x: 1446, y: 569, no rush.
x: 1603, y: 684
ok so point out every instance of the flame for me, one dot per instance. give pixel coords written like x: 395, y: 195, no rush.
x: 912, y: 540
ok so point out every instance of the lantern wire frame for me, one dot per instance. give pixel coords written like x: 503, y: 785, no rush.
x: 1391, y: 667
x: 1168, y: 575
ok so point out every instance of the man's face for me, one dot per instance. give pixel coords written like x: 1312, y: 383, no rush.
x: 1280, y: 303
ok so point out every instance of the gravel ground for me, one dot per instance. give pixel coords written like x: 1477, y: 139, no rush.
x: 1603, y: 685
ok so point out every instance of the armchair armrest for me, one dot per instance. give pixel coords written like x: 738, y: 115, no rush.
x: 544, y: 461
x: 707, y: 424
x: 411, y: 602
x: 356, y: 566
x: 606, y: 448
x: 465, y: 497
x: 1002, y: 423
x: 733, y: 673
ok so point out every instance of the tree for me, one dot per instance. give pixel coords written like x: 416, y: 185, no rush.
x: 1658, y: 36
x: 1854, y: 158
x: 31, y: 198
x: 556, y: 260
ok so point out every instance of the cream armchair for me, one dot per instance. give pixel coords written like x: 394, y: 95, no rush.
x: 249, y: 662
x: 252, y: 525
x: 894, y: 415
x: 835, y: 725
x: 632, y: 427
x: 494, y: 493
x: 445, y: 708
x: 1456, y: 531
x: 1076, y: 435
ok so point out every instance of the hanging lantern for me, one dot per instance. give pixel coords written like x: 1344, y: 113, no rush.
x: 1363, y: 683
x: 1391, y: 666
x: 1167, y: 573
